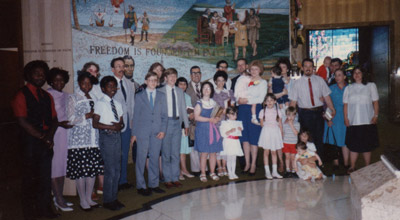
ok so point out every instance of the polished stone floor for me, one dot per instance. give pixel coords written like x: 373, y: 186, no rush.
x: 262, y: 199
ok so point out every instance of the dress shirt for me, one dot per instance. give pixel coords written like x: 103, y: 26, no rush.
x: 168, y: 88
x: 300, y: 91
x: 104, y: 110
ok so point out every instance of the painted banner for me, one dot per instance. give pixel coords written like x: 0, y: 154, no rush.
x: 178, y: 34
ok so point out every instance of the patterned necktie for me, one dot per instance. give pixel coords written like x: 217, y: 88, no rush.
x: 114, y: 110
x: 198, y: 91
x: 123, y: 89
x: 311, y: 92
x: 151, y: 101
x: 173, y: 104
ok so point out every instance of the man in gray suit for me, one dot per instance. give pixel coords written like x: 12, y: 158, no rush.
x: 151, y: 119
x: 126, y: 96
x: 193, y: 91
x: 177, y: 114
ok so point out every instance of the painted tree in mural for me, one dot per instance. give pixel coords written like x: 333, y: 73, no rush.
x: 75, y: 14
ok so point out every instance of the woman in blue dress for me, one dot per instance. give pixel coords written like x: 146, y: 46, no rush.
x: 207, y: 141
x: 336, y: 125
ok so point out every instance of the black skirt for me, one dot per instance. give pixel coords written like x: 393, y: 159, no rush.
x: 84, y: 162
x: 362, y: 138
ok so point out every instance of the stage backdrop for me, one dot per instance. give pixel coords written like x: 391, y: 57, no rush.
x: 101, y: 30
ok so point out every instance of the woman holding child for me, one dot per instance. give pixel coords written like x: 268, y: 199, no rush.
x: 256, y: 91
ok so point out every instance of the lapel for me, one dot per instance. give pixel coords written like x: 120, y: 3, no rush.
x: 145, y: 99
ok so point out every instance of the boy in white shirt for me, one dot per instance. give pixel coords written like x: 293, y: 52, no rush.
x: 108, y: 119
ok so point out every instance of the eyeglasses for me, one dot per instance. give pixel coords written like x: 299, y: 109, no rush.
x: 196, y: 72
x: 126, y: 65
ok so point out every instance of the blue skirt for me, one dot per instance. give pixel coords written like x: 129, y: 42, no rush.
x: 251, y: 132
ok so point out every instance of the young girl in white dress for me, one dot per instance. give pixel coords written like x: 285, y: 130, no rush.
x: 231, y: 130
x: 271, y: 134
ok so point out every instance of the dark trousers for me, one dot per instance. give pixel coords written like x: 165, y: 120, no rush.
x: 110, y: 148
x: 36, y: 177
x: 313, y: 121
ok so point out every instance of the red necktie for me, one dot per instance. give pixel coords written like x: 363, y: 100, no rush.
x: 311, y: 92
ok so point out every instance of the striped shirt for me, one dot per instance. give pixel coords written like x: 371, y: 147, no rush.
x: 288, y: 136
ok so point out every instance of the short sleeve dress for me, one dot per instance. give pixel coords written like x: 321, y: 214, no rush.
x: 271, y: 136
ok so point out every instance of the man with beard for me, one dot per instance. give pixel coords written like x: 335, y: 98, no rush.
x: 308, y: 93
x: 36, y: 115
x: 129, y: 68
x: 126, y: 96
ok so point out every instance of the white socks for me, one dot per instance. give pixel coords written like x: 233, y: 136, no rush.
x: 275, y: 171
x: 268, y: 172
x: 85, y: 189
x: 231, y: 166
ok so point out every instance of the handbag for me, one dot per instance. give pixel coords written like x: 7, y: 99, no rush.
x: 331, y: 151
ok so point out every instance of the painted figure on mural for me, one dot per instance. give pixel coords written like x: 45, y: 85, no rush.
x: 229, y: 10
x: 240, y: 31
x: 145, y: 25
x: 205, y: 26
x: 131, y: 22
x: 253, y: 26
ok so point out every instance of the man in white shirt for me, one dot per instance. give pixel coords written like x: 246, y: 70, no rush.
x: 309, y: 92
x: 126, y: 96
x: 172, y: 142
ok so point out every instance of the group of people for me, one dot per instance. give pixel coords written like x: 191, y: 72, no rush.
x: 221, y: 26
x: 88, y: 134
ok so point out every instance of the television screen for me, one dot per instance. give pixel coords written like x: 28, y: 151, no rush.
x: 341, y: 43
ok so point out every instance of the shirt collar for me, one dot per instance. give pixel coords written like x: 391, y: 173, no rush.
x: 107, y: 98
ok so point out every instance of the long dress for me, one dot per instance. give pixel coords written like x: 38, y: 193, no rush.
x: 338, y: 128
x: 84, y: 159
x: 59, y: 161
x: 207, y: 137
x: 185, y: 149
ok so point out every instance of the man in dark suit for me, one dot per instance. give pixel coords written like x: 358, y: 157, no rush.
x: 151, y: 119
x: 193, y: 91
x: 177, y: 114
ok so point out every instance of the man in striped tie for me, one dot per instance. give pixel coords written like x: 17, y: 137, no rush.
x: 108, y: 118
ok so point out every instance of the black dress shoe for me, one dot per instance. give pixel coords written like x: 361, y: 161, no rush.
x: 119, y: 204
x: 86, y: 210
x: 113, y: 206
x: 252, y: 174
x: 144, y: 192
x: 96, y: 206
x: 157, y: 190
x: 124, y: 186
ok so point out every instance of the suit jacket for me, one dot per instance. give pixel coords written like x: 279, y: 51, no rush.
x: 191, y: 91
x: 181, y: 104
x: 150, y: 121
x: 129, y: 103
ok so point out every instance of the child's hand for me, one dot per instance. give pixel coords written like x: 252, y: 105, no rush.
x: 89, y: 114
x: 320, y: 163
x: 160, y: 135
x: 240, y: 129
x: 117, y: 126
x: 133, y: 139
x: 65, y: 124
x: 232, y: 130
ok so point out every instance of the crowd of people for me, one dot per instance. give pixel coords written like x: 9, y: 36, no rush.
x: 88, y: 134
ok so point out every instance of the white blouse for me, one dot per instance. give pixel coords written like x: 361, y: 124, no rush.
x: 257, y: 92
x: 359, y: 98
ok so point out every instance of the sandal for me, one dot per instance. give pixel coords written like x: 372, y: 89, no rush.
x: 203, y: 178
x: 214, y: 177
x: 220, y: 172
x: 350, y: 170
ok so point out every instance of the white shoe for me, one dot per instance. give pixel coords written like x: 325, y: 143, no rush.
x: 235, y: 176
x: 276, y: 175
x: 181, y: 177
x: 66, y: 209
x: 268, y: 176
x: 231, y: 177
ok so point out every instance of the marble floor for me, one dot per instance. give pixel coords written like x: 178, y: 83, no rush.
x: 262, y: 199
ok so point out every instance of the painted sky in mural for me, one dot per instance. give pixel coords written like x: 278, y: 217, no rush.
x: 178, y: 34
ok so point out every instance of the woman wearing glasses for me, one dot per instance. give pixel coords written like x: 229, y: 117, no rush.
x: 84, y: 159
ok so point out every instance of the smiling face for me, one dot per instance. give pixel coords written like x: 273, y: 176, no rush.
x: 58, y: 83
x: 339, y: 76
x: 283, y: 68
x: 357, y: 76
x: 85, y: 85
x: 182, y: 85
x: 223, y: 67
x: 37, y: 77
x: 220, y: 82
x: 158, y: 70
x: 171, y: 79
x: 304, y: 137
x: 118, y: 69
x: 270, y: 102
x: 241, y: 66
x: 334, y: 66
x: 255, y: 71
x: 206, y: 91
x: 195, y: 75
x: 308, y: 68
x: 232, y: 116
x: 151, y: 82
x: 110, y: 89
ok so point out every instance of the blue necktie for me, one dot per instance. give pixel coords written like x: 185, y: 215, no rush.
x: 151, y: 100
